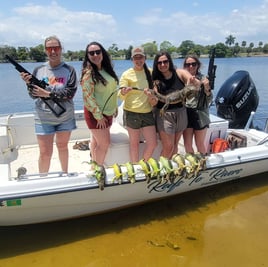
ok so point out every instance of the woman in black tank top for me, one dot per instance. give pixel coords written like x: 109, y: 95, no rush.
x: 169, y: 86
x: 170, y: 126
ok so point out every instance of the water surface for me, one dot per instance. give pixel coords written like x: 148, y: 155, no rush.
x: 225, y: 225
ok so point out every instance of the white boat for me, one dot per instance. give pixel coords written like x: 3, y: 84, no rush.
x: 27, y: 198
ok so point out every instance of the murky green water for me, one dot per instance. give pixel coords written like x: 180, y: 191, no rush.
x: 222, y: 226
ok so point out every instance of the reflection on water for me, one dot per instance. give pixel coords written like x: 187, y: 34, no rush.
x: 225, y: 225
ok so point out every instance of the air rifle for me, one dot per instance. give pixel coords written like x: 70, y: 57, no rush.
x: 42, y: 84
x: 212, y: 70
x: 202, y: 102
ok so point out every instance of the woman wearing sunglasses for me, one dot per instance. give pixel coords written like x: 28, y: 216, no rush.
x: 197, y: 109
x: 99, y: 82
x: 58, y: 120
x: 171, y: 125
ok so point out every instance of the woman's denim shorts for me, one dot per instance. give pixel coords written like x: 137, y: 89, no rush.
x: 45, y: 129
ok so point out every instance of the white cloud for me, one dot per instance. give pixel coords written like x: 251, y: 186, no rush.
x: 35, y: 23
x: 29, y: 25
x: 244, y: 24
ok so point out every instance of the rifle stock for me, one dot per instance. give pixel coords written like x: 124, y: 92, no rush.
x: 42, y: 84
x: 212, y: 70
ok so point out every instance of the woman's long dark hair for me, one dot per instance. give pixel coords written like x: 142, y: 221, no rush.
x: 148, y: 75
x: 106, y: 65
x: 156, y: 74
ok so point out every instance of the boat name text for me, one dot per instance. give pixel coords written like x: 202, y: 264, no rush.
x: 216, y: 176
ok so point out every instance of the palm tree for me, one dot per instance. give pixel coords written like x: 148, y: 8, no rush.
x: 249, y: 49
x: 230, y: 40
x: 260, y: 46
x: 243, y: 44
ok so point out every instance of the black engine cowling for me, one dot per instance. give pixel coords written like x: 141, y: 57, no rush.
x: 236, y: 99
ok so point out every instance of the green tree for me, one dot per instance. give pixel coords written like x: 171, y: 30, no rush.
x: 236, y: 49
x: 113, y: 50
x: 260, y: 46
x: 70, y: 55
x: 230, y: 40
x: 7, y: 50
x: 251, y: 45
x: 265, y: 49
x: 220, y: 50
x: 198, y: 50
x: 249, y: 49
x: 37, y: 53
x: 128, y: 52
x: 22, y: 53
x: 150, y: 49
x: 244, y: 44
x: 186, y: 47
x: 165, y: 46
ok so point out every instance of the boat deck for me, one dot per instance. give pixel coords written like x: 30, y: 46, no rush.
x: 25, y: 152
x: 118, y: 152
x: 77, y: 159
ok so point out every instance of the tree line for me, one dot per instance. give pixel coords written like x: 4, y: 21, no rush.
x: 229, y: 48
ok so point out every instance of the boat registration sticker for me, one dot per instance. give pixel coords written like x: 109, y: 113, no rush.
x: 11, y: 202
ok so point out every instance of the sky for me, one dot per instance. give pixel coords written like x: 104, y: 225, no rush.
x: 125, y: 22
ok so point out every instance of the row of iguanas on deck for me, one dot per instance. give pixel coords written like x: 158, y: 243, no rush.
x: 187, y: 166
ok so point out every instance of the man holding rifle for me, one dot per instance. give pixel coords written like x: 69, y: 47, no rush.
x: 54, y: 116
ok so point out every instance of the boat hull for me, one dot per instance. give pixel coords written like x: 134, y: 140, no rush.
x: 78, y: 194
x: 34, y: 198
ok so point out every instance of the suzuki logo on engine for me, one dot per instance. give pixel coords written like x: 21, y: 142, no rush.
x: 244, y: 98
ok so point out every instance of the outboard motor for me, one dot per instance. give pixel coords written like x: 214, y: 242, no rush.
x: 236, y: 99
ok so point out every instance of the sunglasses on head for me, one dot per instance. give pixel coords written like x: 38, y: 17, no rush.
x: 194, y: 64
x: 56, y: 49
x: 165, y: 62
x: 92, y: 53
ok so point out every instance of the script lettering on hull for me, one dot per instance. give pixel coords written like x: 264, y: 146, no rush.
x: 204, y: 178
